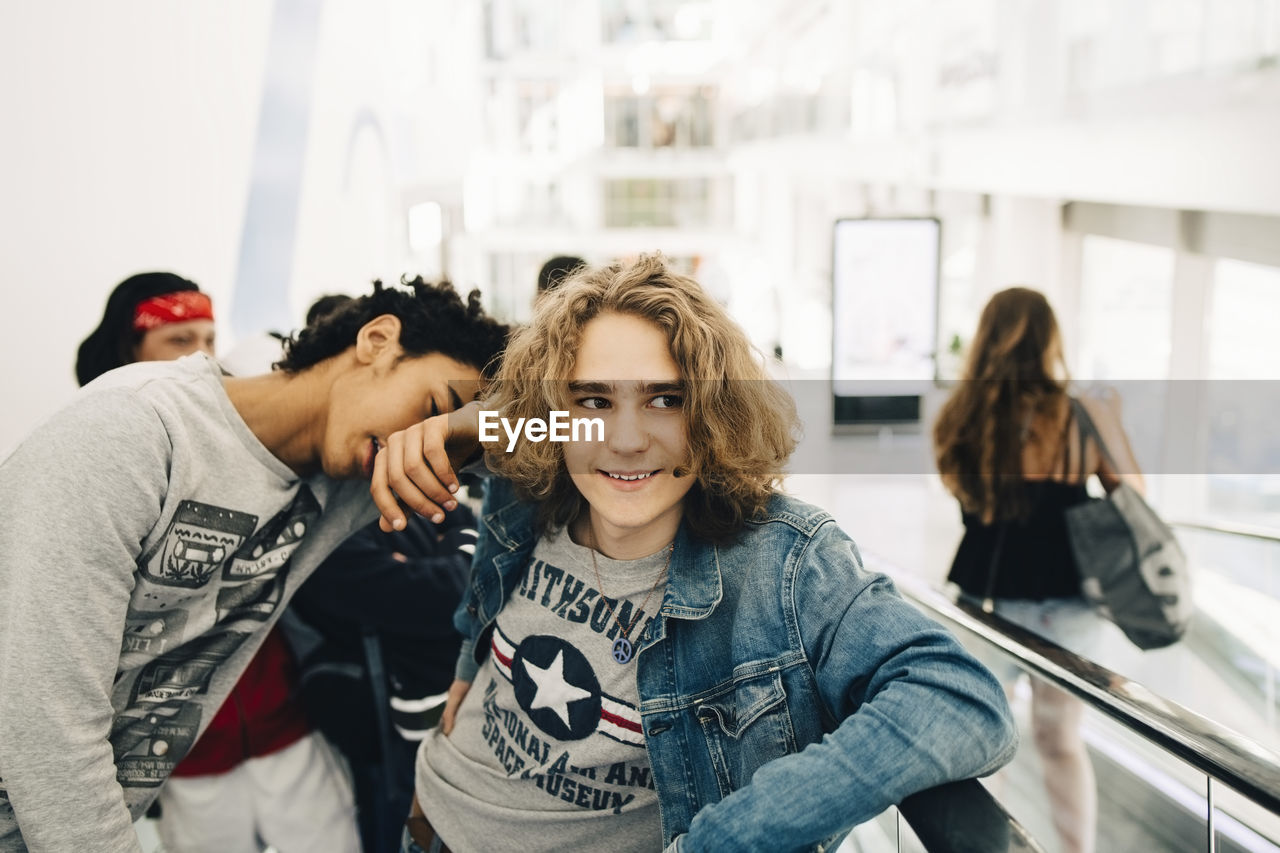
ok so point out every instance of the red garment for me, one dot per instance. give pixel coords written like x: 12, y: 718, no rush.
x: 261, y: 715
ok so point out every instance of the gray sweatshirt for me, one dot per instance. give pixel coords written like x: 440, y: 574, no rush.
x: 148, y: 541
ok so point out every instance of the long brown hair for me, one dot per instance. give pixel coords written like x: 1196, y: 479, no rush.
x: 1015, y: 373
x: 741, y: 425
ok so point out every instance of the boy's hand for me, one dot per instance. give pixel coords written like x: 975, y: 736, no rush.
x: 457, y: 692
x: 416, y: 466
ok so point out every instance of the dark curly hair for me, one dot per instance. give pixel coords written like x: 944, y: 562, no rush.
x: 325, y: 306
x: 433, y: 318
x: 111, y: 344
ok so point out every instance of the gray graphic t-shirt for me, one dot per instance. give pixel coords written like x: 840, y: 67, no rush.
x: 547, y: 749
x: 148, y: 540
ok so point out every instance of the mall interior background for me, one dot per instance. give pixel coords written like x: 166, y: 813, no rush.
x: 1119, y: 155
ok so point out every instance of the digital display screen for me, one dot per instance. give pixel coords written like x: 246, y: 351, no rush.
x: 885, y: 311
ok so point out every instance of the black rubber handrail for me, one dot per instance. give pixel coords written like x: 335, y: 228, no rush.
x: 963, y: 817
x: 1217, y: 751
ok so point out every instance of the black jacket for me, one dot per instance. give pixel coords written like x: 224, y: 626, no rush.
x: 382, y: 602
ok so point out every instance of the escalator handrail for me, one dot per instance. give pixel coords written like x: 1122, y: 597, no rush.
x: 963, y: 817
x: 1241, y: 530
x: 1221, y: 753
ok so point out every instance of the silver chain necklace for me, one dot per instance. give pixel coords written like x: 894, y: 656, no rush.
x: 623, y: 650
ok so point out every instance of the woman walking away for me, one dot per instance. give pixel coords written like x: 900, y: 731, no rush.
x: 1008, y: 448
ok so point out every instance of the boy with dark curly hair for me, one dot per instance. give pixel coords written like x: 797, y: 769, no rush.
x: 152, y: 531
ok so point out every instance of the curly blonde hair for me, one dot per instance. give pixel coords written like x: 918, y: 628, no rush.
x: 1015, y: 373
x: 741, y: 426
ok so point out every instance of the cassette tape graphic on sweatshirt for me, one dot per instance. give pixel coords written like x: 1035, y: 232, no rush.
x: 253, y: 580
x: 200, y: 539
x: 149, y: 634
x: 148, y: 747
x: 166, y: 702
x: 186, y: 672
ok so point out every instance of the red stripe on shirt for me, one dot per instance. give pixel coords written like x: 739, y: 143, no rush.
x: 506, y: 661
x: 621, y: 722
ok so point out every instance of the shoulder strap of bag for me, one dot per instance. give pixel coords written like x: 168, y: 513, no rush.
x: 1088, y: 429
x: 988, y: 597
x: 1066, y: 444
x: 1082, y: 438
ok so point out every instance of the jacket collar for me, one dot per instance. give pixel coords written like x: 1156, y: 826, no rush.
x: 512, y: 524
x: 694, y: 585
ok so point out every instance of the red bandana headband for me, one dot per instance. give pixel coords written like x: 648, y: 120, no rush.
x: 180, y: 307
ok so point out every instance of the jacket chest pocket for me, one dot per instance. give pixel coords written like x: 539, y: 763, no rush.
x: 746, y: 724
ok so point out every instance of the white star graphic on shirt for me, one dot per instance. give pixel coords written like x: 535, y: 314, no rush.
x: 554, y: 691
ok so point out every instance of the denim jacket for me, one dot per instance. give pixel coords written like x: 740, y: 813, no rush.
x: 786, y: 693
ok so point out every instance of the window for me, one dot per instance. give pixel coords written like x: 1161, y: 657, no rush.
x: 516, y: 27
x: 1236, y: 34
x: 1125, y: 333
x: 664, y: 118
x: 1242, y: 329
x: 1126, y: 309
x: 1244, y: 450
x: 657, y: 203
x: 958, y: 305
x: 662, y: 20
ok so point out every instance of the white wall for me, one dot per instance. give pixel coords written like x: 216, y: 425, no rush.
x: 128, y: 133
x: 132, y: 137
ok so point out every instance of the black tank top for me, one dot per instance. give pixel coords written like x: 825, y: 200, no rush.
x: 1035, y: 559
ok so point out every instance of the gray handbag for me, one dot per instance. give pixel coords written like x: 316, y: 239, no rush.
x: 1134, y: 571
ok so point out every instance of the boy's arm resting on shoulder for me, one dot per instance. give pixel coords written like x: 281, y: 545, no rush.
x: 416, y: 467
x: 916, y: 709
x: 77, y: 498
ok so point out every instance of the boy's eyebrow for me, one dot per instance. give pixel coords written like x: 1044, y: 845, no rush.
x: 667, y: 387
x: 591, y: 387
x: 662, y: 387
